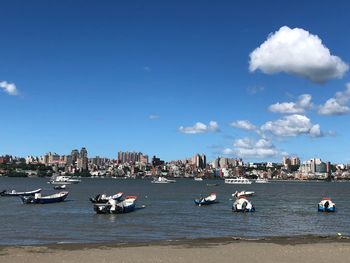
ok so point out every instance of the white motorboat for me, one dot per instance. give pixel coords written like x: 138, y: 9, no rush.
x: 63, y: 179
x: 242, y: 193
x: 261, y: 181
x: 198, y: 179
x: 163, y: 180
x: 240, y: 180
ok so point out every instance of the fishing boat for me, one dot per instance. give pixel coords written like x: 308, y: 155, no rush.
x: 115, y: 207
x: 163, y: 180
x: 60, y: 187
x: 102, y: 198
x: 261, y: 181
x: 15, y: 193
x: 39, y: 199
x: 63, y: 179
x: 242, y: 193
x: 326, y: 205
x: 242, y: 205
x: 240, y: 180
x: 210, y: 199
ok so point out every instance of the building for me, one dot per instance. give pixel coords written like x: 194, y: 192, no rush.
x: 82, y: 161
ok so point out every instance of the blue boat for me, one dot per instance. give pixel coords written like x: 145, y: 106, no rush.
x: 211, y: 199
x: 38, y: 199
x: 326, y: 205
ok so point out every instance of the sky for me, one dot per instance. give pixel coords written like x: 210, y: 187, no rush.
x: 256, y: 80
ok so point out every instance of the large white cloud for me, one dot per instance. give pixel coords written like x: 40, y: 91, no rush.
x: 243, y: 124
x: 338, y: 104
x: 9, y: 88
x: 246, y: 147
x: 296, y: 51
x: 200, y: 127
x: 292, y: 125
x: 303, y: 103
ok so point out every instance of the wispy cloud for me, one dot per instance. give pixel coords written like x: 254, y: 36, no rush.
x: 9, y: 88
x: 255, y: 89
x: 246, y: 147
x: 297, y: 52
x: 338, y: 104
x: 200, y: 127
x: 153, y: 117
x: 243, y: 124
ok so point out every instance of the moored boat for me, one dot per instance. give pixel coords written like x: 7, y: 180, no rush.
x: 15, y: 193
x: 60, y: 187
x: 210, y: 199
x: 326, y: 205
x: 39, y: 199
x: 63, y: 179
x: 198, y: 179
x: 163, y: 180
x: 114, y: 207
x: 239, y: 180
x: 242, y: 205
x: 102, y: 198
x: 261, y: 181
x: 242, y: 193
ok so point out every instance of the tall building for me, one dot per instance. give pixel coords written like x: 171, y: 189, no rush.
x: 75, y: 155
x: 82, y: 161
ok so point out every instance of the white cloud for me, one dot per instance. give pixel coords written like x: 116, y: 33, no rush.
x: 303, y: 102
x: 9, y: 88
x: 338, y: 104
x: 292, y: 125
x: 246, y: 147
x: 296, y: 51
x: 200, y: 127
x: 243, y: 124
x: 153, y: 117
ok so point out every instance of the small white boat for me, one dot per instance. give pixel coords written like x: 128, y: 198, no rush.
x: 240, y: 180
x: 163, y: 180
x: 198, y: 179
x: 62, y: 179
x: 39, y: 199
x: 15, y: 193
x: 242, y: 193
x: 115, y: 207
x: 242, y: 205
x: 211, y: 199
x: 261, y: 181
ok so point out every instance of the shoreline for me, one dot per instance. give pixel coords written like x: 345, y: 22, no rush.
x: 193, y: 242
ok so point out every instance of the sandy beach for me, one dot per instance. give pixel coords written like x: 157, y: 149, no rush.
x: 195, y: 251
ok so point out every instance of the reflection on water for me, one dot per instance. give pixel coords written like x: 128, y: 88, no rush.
x: 282, y: 209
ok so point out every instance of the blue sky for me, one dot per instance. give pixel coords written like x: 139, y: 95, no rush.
x: 91, y: 73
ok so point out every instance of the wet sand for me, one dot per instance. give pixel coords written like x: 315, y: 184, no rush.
x: 213, y: 250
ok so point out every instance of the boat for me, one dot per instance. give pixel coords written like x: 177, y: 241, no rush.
x: 198, y: 179
x: 212, y: 184
x: 103, y: 199
x: 242, y: 193
x: 15, y: 193
x: 211, y: 199
x: 60, y: 187
x: 261, y: 181
x: 240, y: 180
x: 242, y: 205
x: 63, y: 179
x: 39, y: 199
x: 114, y: 207
x: 326, y: 205
x: 162, y: 180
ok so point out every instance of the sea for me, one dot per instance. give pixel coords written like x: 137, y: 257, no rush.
x: 283, y: 209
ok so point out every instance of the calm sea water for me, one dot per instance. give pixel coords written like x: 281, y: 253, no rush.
x: 282, y: 209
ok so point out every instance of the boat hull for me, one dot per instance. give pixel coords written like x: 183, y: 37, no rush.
x: 204, y: 202
x: 31, y: 193
x: 107, y: 209
x: 43, y: 200
x: 246, y: 210
x: 322, y: 208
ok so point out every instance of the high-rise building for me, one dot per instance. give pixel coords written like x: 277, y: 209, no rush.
x: 75, y: 155
x: 82, y: 161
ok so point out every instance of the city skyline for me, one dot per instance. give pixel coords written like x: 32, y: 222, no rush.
x: 256, y: 81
